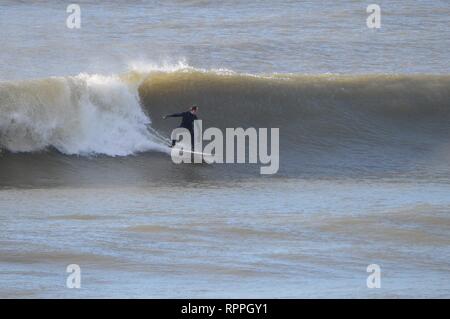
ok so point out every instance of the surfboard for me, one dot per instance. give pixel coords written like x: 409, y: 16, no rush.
x: 191, y: 152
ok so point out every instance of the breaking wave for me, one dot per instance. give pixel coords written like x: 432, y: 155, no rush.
x: 84, y: 114
x: 119, y: 115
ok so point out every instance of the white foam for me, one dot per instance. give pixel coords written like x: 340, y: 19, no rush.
x: 144, y: 66
x: 84, y: 114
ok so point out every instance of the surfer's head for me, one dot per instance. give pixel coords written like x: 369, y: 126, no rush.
x: 194, y: 109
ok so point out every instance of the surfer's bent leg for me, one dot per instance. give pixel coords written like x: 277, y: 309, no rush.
x: 191, y: 130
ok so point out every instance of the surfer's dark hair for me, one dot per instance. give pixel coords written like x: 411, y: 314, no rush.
x: 194, y: 108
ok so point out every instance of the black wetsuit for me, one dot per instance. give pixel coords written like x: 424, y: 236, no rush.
x: 187, y: 122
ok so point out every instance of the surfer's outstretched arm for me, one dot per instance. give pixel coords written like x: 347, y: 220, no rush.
x: 174, y: 115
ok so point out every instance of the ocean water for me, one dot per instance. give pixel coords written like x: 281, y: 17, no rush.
x: 86, y: 178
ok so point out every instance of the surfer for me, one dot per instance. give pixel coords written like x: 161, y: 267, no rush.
x: 187, y: 121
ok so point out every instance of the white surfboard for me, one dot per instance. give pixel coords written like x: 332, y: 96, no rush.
x: 190, y: 152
